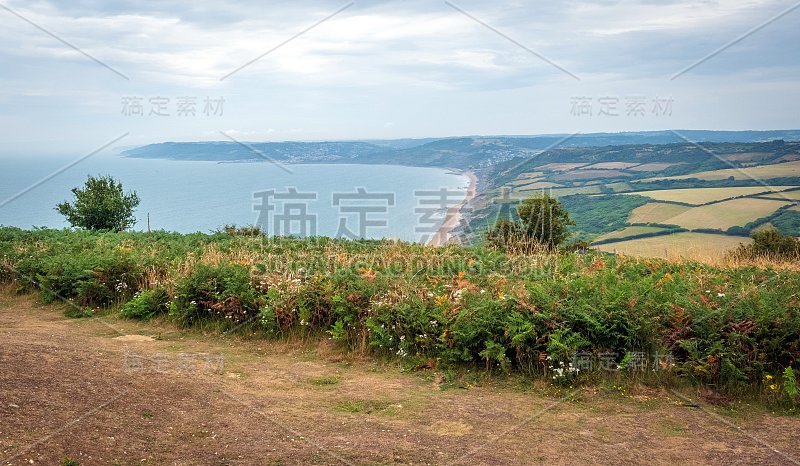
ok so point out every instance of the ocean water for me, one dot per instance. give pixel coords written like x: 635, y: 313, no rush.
x: 371, y: 201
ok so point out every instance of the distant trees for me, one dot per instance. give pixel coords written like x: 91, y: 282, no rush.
x: 100, y: 205
x: 542, y: 223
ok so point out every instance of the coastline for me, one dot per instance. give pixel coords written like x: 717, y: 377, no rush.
x: 454, y: 214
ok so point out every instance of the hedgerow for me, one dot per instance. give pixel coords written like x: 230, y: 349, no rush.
x: 571, y: 317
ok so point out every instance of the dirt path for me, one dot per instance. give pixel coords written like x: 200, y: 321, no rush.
x: 70, y: 388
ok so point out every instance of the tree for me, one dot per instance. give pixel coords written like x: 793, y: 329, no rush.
x: 544, y: 219
x: 542, y: 222
x: 100, y: 205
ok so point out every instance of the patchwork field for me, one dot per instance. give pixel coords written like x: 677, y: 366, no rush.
x: 761, y: 172
x: 539, y: 185
x: 630, y: 231
x: 561, y: 167
x: 558, y: 192
x: 747, y: 156
x: 651, y: 167
x: 699, y: 196
x: 610, y: 166
x: 656, y: 212
x: 688, y: 245
x: 793, y: 195
x: 589, y: 174
x: 723, y: 215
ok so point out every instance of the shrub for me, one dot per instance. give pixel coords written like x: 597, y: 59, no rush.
x: 215, y: 291
x: 770, y: 243
x: 146, y: 305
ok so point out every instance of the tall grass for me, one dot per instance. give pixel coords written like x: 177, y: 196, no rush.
x: 732, y: 326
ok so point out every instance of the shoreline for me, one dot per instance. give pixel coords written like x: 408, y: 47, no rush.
x: 454, y: 214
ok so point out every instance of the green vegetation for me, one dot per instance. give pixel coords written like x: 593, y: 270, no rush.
x: 100, y: 205
x: 596, y: 215
x: 541, y: 314
x: 770, y: 243
x: 542, y: 222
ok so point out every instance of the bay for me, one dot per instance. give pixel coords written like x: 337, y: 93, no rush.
x: 203, y: 196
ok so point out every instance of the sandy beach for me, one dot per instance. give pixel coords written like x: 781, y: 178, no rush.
x: 454, y: 214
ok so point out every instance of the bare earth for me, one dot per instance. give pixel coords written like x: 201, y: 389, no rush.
x: 71, y: 388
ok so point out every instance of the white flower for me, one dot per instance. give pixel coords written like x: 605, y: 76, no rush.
x: 720, y: 295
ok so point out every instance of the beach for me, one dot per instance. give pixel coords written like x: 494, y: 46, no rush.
x: 454, y: 214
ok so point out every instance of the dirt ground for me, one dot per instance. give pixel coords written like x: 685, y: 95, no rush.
x: 98, y: 392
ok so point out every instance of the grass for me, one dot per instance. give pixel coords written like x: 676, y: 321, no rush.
x: 688, y: 245
x: 367, y: 406
x: 326, y: 381
x: 723, y: 215
x: 699, y: 196
x: 450, y: 307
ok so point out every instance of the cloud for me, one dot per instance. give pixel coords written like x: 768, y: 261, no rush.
x: 421, y: 65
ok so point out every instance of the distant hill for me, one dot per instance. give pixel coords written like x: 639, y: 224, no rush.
x: 456, y: 152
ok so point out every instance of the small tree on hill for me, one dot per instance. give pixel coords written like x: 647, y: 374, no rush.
x: 542, y: 222
x: 100, y: 205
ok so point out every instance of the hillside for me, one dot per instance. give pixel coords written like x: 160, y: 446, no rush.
x: 457, y: 152
x: 714, y: 189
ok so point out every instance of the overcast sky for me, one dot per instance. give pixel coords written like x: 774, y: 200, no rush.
x: 391, y: 69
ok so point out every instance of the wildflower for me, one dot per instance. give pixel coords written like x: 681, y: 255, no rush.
x: 461, y: 275
x: 773, y: 387
x: 768, y: 377
x: 501, y: 295
x: 470, y: 262
x: 720, y: 295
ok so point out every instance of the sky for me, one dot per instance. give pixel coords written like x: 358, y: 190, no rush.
x: 81, y: 75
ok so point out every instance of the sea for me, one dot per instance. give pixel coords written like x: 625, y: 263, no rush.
x: 335, y: 200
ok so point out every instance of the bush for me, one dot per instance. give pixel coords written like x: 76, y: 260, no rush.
x: 772, y: 244
x: 215, y: 291
x: 146, y: 305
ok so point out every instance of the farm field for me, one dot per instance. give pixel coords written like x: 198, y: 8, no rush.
x: 793, y: 195
x: 589, y: 174
x: 651, y: 167
x: 630, y: 231
x: 761, y: 172
x: 560, y: 167
x: 538, y: 185
x: 699, y: 196
x: 656, y: 212
x: 689, y: 245
x: 610, y: 166
x: 723, y: 215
